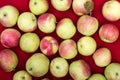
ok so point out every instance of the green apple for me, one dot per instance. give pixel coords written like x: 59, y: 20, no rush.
x: 97, y: 76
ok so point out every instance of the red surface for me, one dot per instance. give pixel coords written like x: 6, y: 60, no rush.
x: 22, y: 6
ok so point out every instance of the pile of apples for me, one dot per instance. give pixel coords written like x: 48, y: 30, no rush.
x: 42, y: 49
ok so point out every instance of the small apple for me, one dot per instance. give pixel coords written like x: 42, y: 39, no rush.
x: 68, y: 49
x: 45, y: 79
x: 97, y: 76
x: 79, y: 70
x: 87, y: 25
x: 108, y: 33
x: 37, y: 65
x: 29, y: 42
x: 38, y: 7
x: 8, y: 15
x: 59, y: 67
x: 8, y: 60
x: 47, y: 22
x: 27, y: 22
x: 49, y: 45
x: 65, y: 28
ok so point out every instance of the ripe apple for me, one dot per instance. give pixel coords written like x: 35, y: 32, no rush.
x: 97, y: 76
x: 111, y: 10
x: 27, y: 22
x: 81, y: 7
x: 10, y: 38
x: 59, y: 67
x: 86, y: 45
x: 65, y: 28
x: 45, y: 79
x: 8, y: 60
x: 61, y: 5
x: 8, y: 15
x: 37, y: 65
x: 49, y: 45
x: 47, y: 22
x: 38, y: 7
x: 108, y: 33
x: 79, y: 70
x: 68, y: 49
x: 22, y: 75
x: 29, y: 42
x: 87, y: 25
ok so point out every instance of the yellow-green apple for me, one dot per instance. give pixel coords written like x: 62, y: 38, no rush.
x: 79, y: 70
x: 22, y: 75
x: 29, y: 42
x: 86, y: 45
x: 59, y: 67
x: 97, y: 76
x: 49, y: 45
x: 38, y: 7
x: 47, y: 22
x: 8, y: 15
x: 27, y: 22
x: 10, y: 37
x: 61, y: 5
x: 65, y: 28
x: 111, y: 10
x: 102, y: 57
x: 112, y: 71
x: 8, y: 60
x: 68, y: 49
x: 108, y: 33
x: 87, y: 25
x: 81, y: 7
x: 37, y: 65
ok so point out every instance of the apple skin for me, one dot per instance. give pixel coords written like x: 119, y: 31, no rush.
x: 79, y: 70
x: 10, y: 38
x: 87, y: 25
x: 49, y: 45
x: 65, y: 28
x: 102, y: 57
x: 111, y: 10
x: 81, y: 7
x: 47, y: 22
x: 8, y: 15
x: 27, y: 22
x: 97, y: 76
x: 8, y: 60
x: 45, y: 79
x: 61, y: 5
x: 68, y: 49
x: 86, y: 45
x: 108, y: 33
x: 29, y: 42
x: 38, y: 7
x: 59, y: 67
x: 22, y: 75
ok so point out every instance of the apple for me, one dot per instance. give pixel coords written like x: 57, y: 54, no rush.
x: 112, y: 71
x: 61, y: 5
x: 47, y: 22
x: 8, y: 15
x: 37, y: 65
x: 81, y: 7
x: 79, y: 70
x: 68, y: 49
x: 49, y: 45
x: 87, y: 25
x: 59, y: 67
x: 108, y: 33
x: 86, y: 45
x: 10, y: 38
x: 29, y: 42
x: 38, y: 7
x: 27, y: 22
x: 65, y: 28
x: 8, y: 60
x: 22, y: 75
x: 111, y: 10
x: 97, y: 76
x: 45, y: 79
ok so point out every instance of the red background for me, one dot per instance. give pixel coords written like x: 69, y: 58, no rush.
x: 22, y: 6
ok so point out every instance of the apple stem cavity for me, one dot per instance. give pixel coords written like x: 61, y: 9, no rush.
x: 30, y: 69
x: 89, y: 6
x: 23, y: 78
